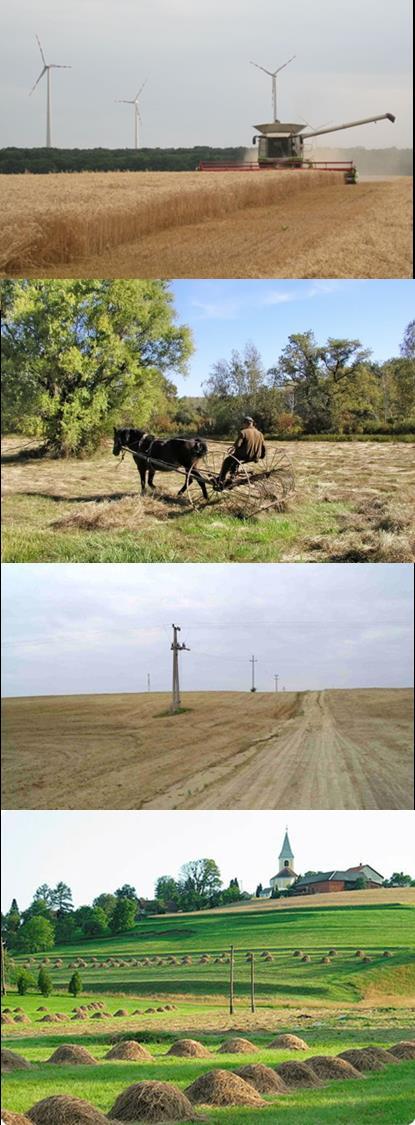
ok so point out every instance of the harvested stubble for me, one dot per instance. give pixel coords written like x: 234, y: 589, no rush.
x: 237, y: 1046
x: 62, y: 1109
x: 293, y: 1042
x: 9, y: 1118
x: 129, y: 1049
x: 297, y: 1074
x: 189, y: 1048
x: 222, y: 1087
x: 263, y: 1078
x: 11, y: 1061
x: 403, y: 1050
x: 72, y: 1054
x: 59, y: 218
x: 327, y: 1067
x: 152, y: 1101
x: 362, y: 1059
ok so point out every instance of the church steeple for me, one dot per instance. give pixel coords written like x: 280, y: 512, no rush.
x: 286, y: 855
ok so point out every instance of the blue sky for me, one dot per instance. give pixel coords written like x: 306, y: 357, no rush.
x: 98, y: 627
x: 99, y: 851
x: 227, y: 314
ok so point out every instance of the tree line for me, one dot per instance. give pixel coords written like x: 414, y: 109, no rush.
x: 44, y: 160
x: 81, y: 356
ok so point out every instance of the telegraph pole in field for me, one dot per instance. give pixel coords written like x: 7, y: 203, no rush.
x: 276, y: 678
x: 3, y: 971
x: 252, y: 982
x: 231, y: 967
x: 176, y: 647
x: 148, y: 682
x: 253, y: 661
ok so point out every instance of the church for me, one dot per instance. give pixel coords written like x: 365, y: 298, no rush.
x: 318, y: 882
x: 286, y: 875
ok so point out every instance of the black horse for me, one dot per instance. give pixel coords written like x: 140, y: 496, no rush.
x: 153, y: 455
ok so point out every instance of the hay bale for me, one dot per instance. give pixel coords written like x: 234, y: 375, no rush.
x: 366, y: 960
x: 268, y: 957
x: 129, y: 1049
x: 22, y: 1018
x: 237, y: 1046
x: 49, y: 1018
x: 298, y: 953
x: 11, y: 1061
x: 332, y: 952
x: 361, y: 1059
x: 41, y: 1008
x: 327, y: 1067
x: 137, y: 1012
x: 62, y: 1109
x: 292, y: 1042
x: 10, y: 1118
x: 379, y: 1054
x: 121, y: 1013
x: 264, y: 1080
x: 189, y: 1049
x: 152, y: 1101
x: 325, y: 961
x: 222, y: 1087
x: 99, y: 1016
x: 306, y: 957
x: 297, y: 1074
x: 403, y: 1050
x: 387, y: 953
x: 6, y: 1018
x: 71, y: 1054
x: 359, y: 953
x: 147, y: 1010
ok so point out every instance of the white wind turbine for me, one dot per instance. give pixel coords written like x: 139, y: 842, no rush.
x: 273, y: 74
x: 47, y: 67
x: 137, y: 114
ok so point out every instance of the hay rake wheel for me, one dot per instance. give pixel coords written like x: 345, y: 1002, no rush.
x: 209, y: 470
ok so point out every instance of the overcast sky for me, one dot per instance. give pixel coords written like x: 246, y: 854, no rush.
x: 226, y: 314
x: 99, y: 851
x: 72, y: 628
x: 352, y: 60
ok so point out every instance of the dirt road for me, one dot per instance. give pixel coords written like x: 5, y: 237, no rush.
x: 334, y: 749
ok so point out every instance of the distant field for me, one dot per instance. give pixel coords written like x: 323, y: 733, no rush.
x: 333, y: 749
x: 353, y: 503
x: 193, y: 224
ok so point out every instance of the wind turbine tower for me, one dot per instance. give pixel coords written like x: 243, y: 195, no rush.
x: 273, y: 75
x: 137, y: 115
x: 47, y: 67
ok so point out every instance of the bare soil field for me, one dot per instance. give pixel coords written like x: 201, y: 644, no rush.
x: 190, y: 224
x: 333, y: 749
x: 353, y: 502
x: 370, y: 896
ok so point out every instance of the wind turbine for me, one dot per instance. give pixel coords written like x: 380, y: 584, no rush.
x: 47, y: 67
x: 137, y: 114
x: 273, y: 74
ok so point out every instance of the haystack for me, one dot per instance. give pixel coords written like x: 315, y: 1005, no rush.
x: 99, y: 1016
x: 237, y: 1047
x: 387, y: 953
x: 361, y: 1059
x: 327, y: 1067
x: 262, y: 1078
x: 6, y: 1018
x: 62, y: 1109
x: 403, y: 1050
x: 11, y: 1061
x: 150, y: 1102
x: 50, y: 1018
x: 292, y: 1042
x: 297, y: 1074
x: 189, y: 1049
x: 222, y: 1087
x: 149, y: 1010
x: 121, y: 1013
x: 306, y: 957
x: 10, y: 1118
x: 71, y: 1054
x: 129, y: 1049
x: 379, y: 1053
x: 22, y: 1018
x: 332, y: 952
x: 326, y: 960
x: 359, y: 953
x: 298, y: 953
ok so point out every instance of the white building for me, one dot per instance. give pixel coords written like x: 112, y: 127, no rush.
x: 286, y: 875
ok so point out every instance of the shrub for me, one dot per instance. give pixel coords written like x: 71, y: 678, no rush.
x: 75, y: 984
x: 44, y: 982
x: 24, y: 981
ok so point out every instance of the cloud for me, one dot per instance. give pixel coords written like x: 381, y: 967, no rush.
x: 208, y: 310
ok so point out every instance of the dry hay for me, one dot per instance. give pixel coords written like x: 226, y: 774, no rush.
x: 10, y: 1118
x: 11, y: 1061
x: 41, y: 1008
x: 297, y: 1074
x: 298, y: 953
x: 380, y: 1054
x: 129, y: 1049
x: 325, y: 1066
x: 22, y: 1018
x: 189, y: 1048
x: 50, y: 1018
x: 265, y: 1080
x: 362, y: 1059
x: 6, y: 1018
x: 293, y: 1042
x: 222, y: 1087
x: 237, y: 1046
x: 306, y: 957
x: 403, y: 1050
x: 387, y: 953
x: 325, y: 961
x: 99, y: 1016
x: 268, y: 957
x: 359, y: 953
x: 152, y: 1101
x: 121, y: 1013
x: 366, y: 960
x: 62, y: 1109
x: 332, y: 952
x: 71, y: 1054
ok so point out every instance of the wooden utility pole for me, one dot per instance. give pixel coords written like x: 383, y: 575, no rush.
x: 276, y: 678
x: 3, y: 971
x: 253, y: 661
x: 231, y: 971
x: 176, y: 647
x: 252, y: 982
x: 148, y: 682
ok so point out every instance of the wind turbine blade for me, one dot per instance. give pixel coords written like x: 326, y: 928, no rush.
x: 123, y: 101
x: 38, y: 80
x: 41, y: 51
x: 59, y: 66
x: 270, y: 72
x: 285, y: 64
x: 141, y: 89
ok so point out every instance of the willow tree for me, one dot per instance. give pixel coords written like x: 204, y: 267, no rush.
x: 82, y: 356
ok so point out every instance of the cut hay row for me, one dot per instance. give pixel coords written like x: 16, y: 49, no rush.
x: 58, y: 218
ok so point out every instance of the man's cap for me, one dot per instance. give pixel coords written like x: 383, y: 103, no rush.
x: 247, y: 418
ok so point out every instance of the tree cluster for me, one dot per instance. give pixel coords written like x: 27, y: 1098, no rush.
x: 44, y: 160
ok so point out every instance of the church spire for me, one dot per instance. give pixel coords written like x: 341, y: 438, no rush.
x: 286, y: 854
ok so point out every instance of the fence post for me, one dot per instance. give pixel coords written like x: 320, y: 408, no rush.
x: 231, y: 982
x: 252, y: 982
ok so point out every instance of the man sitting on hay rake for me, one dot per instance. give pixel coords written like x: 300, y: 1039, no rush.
x: 248, y: 447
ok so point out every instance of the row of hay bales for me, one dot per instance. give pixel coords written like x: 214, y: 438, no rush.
x: 94, y: 1010
x: 163, y: 1101
x: 204, y: 959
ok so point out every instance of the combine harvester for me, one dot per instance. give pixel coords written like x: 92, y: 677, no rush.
x: 281, y: 147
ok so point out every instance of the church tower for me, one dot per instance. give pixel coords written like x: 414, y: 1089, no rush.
x: 286, y: 875
x: 286, y: 856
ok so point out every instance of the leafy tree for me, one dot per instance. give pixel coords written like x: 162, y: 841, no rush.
x: 259, y: 890
x: 81, y: 356
x: 44, y: 894
x: 398, y: 879
x: 361, y: 883
x: 126, y: 891
x: 107, y: 903
x: 201, y: 883
x: 65, y: 930
x: 75, y: 984
x: 168, y: 893
x: 36, y: 935
x: 24, y: 981
x: 61, y: 898
x: 317, y: 375
x: 408, y: 342
x: 44, y: 982
x: 124, y: 916
x: 11, y: 924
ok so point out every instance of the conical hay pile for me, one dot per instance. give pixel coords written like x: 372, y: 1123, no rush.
x: 22, y: 1018
x: 361, y: 1059
x: 325, y: 1066
x: 11, y: 1061
x: 129, y: 1049
x: 152, y: 1102
x: 6, y: 1018
x: 221, y: 1087
x: 326, y: 960
x: 237, y: 1047
x: 10, y: 1118
x: 121, y: 1013
x: 293, y: 1042
x: 297, y: 1074
x: 71, y: 1054
x: 264, y: 1080
x: 188, y: 1049
x: 48, y: 1019
x: 62, y: 1109
x: 404, y: 1050
x: 99, y: 1016
x: 379, y: 1054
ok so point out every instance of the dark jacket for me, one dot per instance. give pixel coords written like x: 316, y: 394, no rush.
x: 250, y: 445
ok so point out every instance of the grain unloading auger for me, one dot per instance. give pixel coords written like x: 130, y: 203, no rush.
x: 281, y: 146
